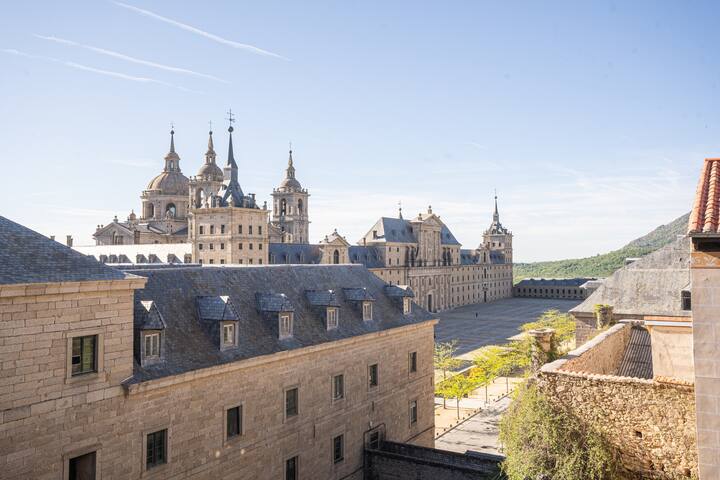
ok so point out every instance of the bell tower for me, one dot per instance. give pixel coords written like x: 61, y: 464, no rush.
x: 498, y: 238
x: 290, y: 207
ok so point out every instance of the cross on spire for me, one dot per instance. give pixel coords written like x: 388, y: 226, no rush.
x: 210, y: 124
x: 231, y: 119
x: 400, y: 209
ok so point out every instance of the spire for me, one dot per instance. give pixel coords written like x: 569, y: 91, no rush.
x: 231, y: 193
x: 172, y: 159
x: 496, y: 215
x: 210, y: 154
x: 290, y: 168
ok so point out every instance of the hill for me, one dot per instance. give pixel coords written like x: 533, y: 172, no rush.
x: 605, y: 264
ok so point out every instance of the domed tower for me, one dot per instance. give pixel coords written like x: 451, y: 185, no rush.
x: 204, y: 187
x: 290, y: 207
x: 165, y: 201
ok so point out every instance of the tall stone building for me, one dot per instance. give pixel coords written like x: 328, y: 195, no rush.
x: 290, y: 218
x: 203, y: 372
x: 225, y: 225
x: 164, y: 215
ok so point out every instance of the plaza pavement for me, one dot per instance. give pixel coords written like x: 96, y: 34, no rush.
x: 495, y: 323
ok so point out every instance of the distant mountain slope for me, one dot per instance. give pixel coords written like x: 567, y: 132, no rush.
x: 605, y: 264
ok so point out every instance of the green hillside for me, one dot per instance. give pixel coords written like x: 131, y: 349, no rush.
x: 605, y: 264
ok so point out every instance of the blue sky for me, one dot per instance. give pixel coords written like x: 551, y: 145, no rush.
x: 591, y: 119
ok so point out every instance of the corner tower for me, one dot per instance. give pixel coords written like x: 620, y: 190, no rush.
x: 290, y: 207
x: 498, y: 240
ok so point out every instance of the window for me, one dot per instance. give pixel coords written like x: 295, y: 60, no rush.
x: 291, y: 402
x: 156, y: 449
x: 222, y: 261
x: 84, y: 356
x: 413, y: 412
x: 152, y: 345
x: 240, y: 246
x: 336, y: 257
x: 212, y: 229
x: 285, y: 325
x: 413, y: 362
x: 686, y: 298
x: 259, y: 246
x: 222, y: 246
x: 260, y: 230
x: 240, y: 229
x: 291, y: 468
x: 82, y: 467
x: 222, y: 228
x: 202, y: 230
x: 338, y: 448
x: 234, y: 422
x: 250, y: 246
x: 212, y: 261
x: 200, y: 246
x: 249, y: 229
x: 374, y: 440
x: 373, y: 375
x: 212, y: 246
x: 367, y: 311
x: 407, y: 306
x: 228, y: 335
x: 332, y: 318
x: 338, y: 387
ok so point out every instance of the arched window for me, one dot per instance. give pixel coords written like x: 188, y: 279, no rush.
x: 300, y: 207
x: 283, y: 206
x: 336, y: 257
x: 170, y: 210
x: 151, y: 210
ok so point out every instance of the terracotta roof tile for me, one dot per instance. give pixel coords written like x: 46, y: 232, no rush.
x: 706, y: 210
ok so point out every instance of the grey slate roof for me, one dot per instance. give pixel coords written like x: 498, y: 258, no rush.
x: 368, y: 256
x: 553, y: 282
x: 273, y: 302
x: 399, y: 230
x: 648, y: 286
x: 322, y: 298
x: 396, y: 291
x: 29, y: 257
x: 217, y: 307
x: 446, y: 236
x: 188, y: 346
x: 294, y: 253
x: 637, y: 360
x: 147, y: 316
x: 358, y: 294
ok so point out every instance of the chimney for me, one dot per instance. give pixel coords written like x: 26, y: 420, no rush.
x: 69, y: 240
x: 136, y: 237
x: 52, y: 237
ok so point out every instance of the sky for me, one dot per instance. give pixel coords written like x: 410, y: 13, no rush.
x: 590, y: 119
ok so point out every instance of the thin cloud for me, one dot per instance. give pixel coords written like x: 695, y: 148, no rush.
x: 202, y: 33
x: 85, y: 68
x: 128, y: 58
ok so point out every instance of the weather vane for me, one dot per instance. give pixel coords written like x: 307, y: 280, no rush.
x: 230, y: 118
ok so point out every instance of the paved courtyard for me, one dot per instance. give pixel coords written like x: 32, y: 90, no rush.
x: 479, y: 433
x: 495, y: 323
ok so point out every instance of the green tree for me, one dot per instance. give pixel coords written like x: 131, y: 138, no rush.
x: 458, y: 387
x: 543, y: 440
x: 444, y: 360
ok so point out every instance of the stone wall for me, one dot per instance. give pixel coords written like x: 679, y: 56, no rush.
x: 602, y: 354
x: 46, y: 418
x: 650, y: 423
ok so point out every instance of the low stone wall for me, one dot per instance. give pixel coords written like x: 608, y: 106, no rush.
x: 650, y: 423
x: 602, y: 354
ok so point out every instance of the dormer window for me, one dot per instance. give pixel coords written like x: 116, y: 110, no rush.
x: 285, y: 324
x: 229, y: 334
x: 367, y: 311
x: 151, y: 345
x: 332, y: 318
x: 407, y: 306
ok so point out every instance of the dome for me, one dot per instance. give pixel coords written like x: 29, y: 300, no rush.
x: 211, y: 171
x: 290, y: 184
x: 170, y: 183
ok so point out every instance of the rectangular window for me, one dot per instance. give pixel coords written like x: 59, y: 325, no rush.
x: 373, y: 375
x: 222, y: 261
x: 686, y: 300
x: 84, y: 355
x: 212, y: 261
x: 202, y: 230
x: 212, y: 246
x: 291, y: 468
x: 338, y: 448
x: 240, y: 229
x: 413, y: 362
x: 222, y: 246
x: 156, y: 449
x: 212, y: 229
x: 250, y: 246
x: 152, y: 345
x: 240, y: 246
x: 374, y: 440
x: 285, y: 325
x: 228, y: 334
x: 259, y: 246
x: 234, y: 422
x: 413, y: 412
x: 338, y: 387
x: 260, y: 230
x: 260, y: 261
x: 249, y: 229
x: 222, y: 228
x: 200, y: 246
x: 291, y: 402
x: 367, y: 311
x: 82, y: 467
x: 332, y: 318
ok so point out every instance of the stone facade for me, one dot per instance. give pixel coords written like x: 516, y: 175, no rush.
x: 48, y: 417
x: 229, y: 235
x: 290, y: 209
x: 649, y: 422
x: 560, y: 288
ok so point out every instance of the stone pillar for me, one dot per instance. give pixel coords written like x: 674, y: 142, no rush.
x: 541, y: 346
x: 603, y: 316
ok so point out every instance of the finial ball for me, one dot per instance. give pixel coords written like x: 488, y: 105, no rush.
x: 230, y: 129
